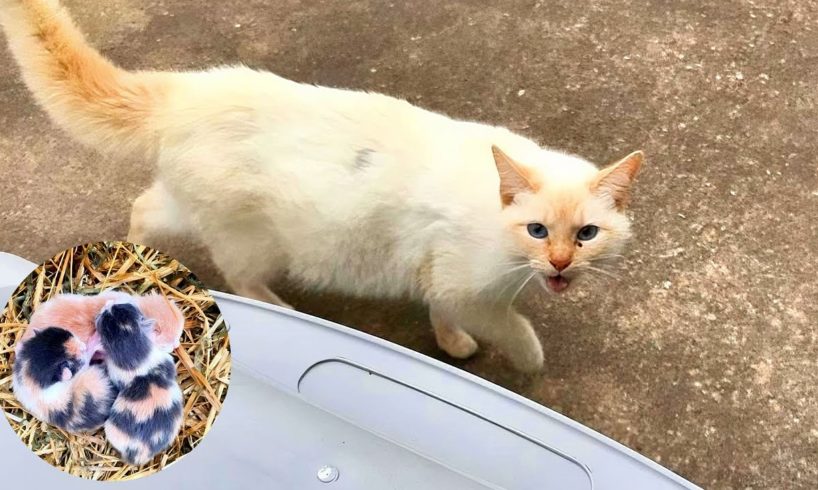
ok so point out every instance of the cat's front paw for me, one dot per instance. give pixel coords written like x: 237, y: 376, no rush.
x: 529, y: 360
x: 457, y: 344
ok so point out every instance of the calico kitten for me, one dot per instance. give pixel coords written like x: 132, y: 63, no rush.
x: 77, y: 314
x: 54, y: 381
x: 147, y: 414
x: 349, y: 191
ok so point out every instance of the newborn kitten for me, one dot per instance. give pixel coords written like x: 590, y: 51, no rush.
x: 77, y: 313
x: 349, y: 191
x: 147, y: 414
x: 53, y: 380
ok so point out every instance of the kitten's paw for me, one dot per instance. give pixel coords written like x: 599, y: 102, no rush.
x: 457, y: 343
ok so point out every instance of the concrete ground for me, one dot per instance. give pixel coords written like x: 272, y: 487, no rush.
x: 704, y: 355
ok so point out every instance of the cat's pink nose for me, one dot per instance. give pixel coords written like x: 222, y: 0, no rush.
x: 560, y: 264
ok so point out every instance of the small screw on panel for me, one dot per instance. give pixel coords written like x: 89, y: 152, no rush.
x: 328, y: 474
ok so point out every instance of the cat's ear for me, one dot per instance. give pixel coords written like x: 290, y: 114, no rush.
x: 148, y: 325
x: 514, y: 178
x: 615, y: 180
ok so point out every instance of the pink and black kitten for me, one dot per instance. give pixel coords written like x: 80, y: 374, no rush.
x: 55, y: 381
x: 147, y: 414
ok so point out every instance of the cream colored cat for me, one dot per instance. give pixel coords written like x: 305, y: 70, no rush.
x: 350, y: 191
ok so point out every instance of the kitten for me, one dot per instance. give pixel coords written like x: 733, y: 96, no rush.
x: 147, y: 414
x: 77, y: 313
x: 355, y: 192
x: 53, y: 380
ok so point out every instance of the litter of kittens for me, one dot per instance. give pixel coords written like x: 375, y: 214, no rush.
x: 65, y: 291
x: 313, y: 403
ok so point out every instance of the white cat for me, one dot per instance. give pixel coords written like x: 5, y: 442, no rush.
x: 355, y: 192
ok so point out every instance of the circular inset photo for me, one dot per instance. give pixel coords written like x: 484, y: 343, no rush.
x: 114, y: 361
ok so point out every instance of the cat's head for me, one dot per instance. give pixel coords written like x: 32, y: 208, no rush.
x: 53, y: 355
x: 123, y: 321
x: 566, y: 217
x: 124, y: 333
x: 169, y: 321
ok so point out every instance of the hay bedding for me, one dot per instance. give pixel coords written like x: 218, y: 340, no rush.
x: 202, y: 360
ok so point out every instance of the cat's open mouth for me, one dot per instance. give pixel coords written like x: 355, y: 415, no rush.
x: 557, y: 283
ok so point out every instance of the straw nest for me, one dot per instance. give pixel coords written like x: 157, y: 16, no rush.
x: 202, y: 360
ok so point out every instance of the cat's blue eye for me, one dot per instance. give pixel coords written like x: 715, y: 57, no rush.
x: 587, y: 232
x: 537, y: 230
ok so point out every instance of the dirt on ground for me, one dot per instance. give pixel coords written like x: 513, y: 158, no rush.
x: 703, y: 354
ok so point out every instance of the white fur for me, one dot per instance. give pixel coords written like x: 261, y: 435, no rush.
x: 343, y: 190
x: 265, y: 169
x: 268, y: 172
x: 124, y: 376
x: 34, y: 402
x: 55, y: 392
x: 27, y: 399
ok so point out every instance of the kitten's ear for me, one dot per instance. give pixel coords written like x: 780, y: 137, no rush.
x: 615, y: 180
x: 514, y: 179
x: 148, y: 325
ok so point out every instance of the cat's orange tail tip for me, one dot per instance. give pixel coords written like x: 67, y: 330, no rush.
x: 97, y: 102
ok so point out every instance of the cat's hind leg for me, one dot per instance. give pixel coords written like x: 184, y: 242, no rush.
x: 155, y: 212
x: 242, y: 253
x: 257, y: 290
x: 248, y: 256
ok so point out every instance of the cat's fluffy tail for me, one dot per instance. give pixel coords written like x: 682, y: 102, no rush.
x: 98, y: 103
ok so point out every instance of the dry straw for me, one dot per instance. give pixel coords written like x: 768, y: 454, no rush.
x: 202, y: 360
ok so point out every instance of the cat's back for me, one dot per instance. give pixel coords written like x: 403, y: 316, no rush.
x: 277, y: 119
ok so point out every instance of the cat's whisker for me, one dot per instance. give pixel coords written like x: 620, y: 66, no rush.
x: 512, y: 271
x: 517, y: 292
x: 609, y: 263
x: 608, y: 266
x: 515, y: 262
x: 540, y: 266
x: 519, y: 289
x: 518, y: 265
x: 502, y: 292
x: 609, y: 256
x: 599, y: 271
x: 511, y: 283
x: 516, y: 269
x: 617, y: 265
x: 620, y: 264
